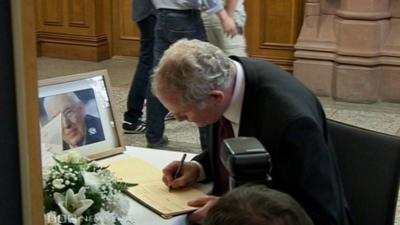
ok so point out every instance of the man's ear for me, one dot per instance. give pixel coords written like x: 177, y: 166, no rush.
x: 216, y: 96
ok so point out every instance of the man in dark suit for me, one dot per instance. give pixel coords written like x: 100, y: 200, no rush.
x: 198, y: 83
x: 78, y: 128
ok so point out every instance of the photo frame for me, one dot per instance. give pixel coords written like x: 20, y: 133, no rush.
x: 76, y: 113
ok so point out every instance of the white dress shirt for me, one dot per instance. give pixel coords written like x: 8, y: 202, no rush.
x: 234, y: 109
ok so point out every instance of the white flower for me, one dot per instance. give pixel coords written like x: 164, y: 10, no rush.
x: 119, y: 204
x: 104, y: 218
x: 73, y: 205
x: 58, y: 184
x: 69, y: 170
x: 45, y: 176
x: 94, y: 164
x: 72, y: 157
x: 92, y: 180
x: 51, y: 218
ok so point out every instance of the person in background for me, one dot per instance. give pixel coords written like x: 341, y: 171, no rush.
x: 257, y: 205
x: 215, y: 34
x: 78, y: 128
x: 143, y: 13
x: 177, y: 19
x: 253, y: 98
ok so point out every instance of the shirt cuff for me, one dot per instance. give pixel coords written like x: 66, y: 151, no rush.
x: 202, y: 175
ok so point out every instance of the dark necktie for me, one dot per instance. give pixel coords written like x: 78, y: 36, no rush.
x: 225, y: 131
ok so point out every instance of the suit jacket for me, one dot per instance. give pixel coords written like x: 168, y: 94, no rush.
x: 94, y: 131
x: 290, y: 122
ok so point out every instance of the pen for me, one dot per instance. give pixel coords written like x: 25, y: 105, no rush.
x: 179, y: 170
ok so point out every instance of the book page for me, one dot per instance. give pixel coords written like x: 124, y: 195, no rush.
x: 157, y: 196
x: 151, y: 191
x: 134, y: 170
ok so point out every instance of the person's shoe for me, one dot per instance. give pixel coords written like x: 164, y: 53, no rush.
x: 134, y: 128
x: 169, y: 116
x: 161, y: 143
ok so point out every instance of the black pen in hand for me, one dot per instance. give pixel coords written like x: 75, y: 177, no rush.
x: 179, y: 170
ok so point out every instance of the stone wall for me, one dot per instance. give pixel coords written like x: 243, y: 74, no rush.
x: 350, y: 49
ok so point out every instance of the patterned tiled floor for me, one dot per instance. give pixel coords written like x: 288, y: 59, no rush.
x: 382, y: 117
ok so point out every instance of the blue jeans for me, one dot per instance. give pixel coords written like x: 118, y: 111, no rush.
x: 171, y: 26
x: 140, y: 82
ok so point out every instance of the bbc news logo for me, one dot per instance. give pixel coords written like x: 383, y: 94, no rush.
x: 59, y: 219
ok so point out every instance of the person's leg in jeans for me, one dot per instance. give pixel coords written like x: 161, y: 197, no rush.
x: 170, y: 27
x: 137, y: 92
x: 155, y: 111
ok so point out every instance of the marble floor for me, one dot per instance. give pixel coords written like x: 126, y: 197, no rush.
x: 183, y: 136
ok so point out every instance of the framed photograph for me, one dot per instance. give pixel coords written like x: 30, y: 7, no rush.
x: 76, y: 113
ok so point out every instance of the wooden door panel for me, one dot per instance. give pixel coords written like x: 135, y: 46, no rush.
x: 74, y: 17
x: 126, y: 34
x: 78, y: 13
x: 52, y: 11
x: 72, y: 29
x: 277, y: 15
x: 272, y: 28
x: 128, y: 29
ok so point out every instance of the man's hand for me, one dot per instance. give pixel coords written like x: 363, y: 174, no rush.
x: 190, y: 172
x: 205, y: 204
x: 228, y: 24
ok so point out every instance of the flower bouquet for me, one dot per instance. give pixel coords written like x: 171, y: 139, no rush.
x: 81, y: 192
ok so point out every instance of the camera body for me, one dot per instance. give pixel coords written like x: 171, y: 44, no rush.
x: 246, y: 160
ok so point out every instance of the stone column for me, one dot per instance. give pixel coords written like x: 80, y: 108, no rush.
x: 350, y: 50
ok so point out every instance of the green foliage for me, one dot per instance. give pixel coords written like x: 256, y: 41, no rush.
x: 123, y: 186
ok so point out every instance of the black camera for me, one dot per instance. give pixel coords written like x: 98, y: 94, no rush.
x: 246, y: 160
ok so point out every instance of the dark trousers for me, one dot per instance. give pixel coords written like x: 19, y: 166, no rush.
x: 171, y: 26
x: 138, y: 90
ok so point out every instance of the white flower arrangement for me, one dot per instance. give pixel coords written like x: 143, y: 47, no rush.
x: 81, y: 192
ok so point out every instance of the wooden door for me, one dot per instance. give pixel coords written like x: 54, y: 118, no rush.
x: 272, y: 29
x: 126, y: 35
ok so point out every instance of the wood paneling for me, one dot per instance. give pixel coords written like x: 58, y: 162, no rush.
x: 126, y: 35
x: 52, y: 12
x: 77, y: 13
x: 272, y: 29
x: 72, y: 29
x: 28, y: 110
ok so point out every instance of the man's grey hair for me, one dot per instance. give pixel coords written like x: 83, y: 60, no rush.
x: 51, y: 100
x: 191, y: 69
x: 257, y: 205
